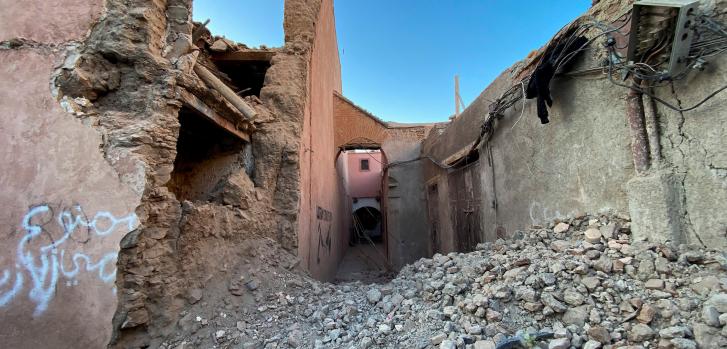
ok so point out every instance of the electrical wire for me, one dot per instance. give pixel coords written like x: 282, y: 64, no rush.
x: 522, y: 112
x: 652, y: 96
x: 641, y: 70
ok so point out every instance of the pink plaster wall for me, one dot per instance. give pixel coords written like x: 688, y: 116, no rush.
x: 322, y: 233
x: 64, y: 207
x: 364, y: 184
x: 48, y: 21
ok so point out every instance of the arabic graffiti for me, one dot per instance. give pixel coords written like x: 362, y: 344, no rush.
x: 39, y: 264
x: 324, y: 224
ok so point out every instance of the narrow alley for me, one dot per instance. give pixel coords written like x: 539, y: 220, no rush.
x: 167, y: 186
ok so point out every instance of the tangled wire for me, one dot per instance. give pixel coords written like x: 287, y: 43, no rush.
x: 710, y: 40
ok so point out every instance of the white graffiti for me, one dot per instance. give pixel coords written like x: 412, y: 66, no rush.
x: 44, y: 266
x: 540, y: 213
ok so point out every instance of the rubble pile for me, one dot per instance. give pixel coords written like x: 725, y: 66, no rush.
x: 578, y: 283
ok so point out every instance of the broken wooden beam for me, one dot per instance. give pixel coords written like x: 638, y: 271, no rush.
x: 212, y: 81
x: 191, y: 101
x: 199, y: 31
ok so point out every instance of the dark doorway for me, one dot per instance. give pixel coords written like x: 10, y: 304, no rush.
x: 465, y: 186
x: 367, y: 220
x: 433, y: 211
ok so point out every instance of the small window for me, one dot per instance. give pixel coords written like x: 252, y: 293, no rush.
x: 364, y: 164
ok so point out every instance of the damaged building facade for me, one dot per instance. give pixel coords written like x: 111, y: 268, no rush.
x: 496, y: 166
x: 142, y: 154
x: 142, y: 151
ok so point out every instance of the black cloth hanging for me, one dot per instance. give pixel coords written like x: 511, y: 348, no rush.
x: 539, y: 84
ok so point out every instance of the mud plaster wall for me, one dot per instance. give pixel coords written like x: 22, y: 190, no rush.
x: 581, y: 161
x: 65, y: 207
x: 694, y: 159
x: 405, y: 206
x: 120, y: 82
x: 323, y: 232
x: 121, y: 85
x: 192, y: 244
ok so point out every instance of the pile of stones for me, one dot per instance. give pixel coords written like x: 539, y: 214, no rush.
x: 578, y: 283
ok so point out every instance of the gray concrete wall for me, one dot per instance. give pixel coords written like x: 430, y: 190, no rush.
x: 693, y: 165
x: 581, y: 161
x: 407, y: 230
x: 578, y: 162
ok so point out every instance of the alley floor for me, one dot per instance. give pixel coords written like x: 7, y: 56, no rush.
x: 364, y: 262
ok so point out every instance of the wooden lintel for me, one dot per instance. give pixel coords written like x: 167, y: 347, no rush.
x: 459, y: 154
x: 264, y: 56
x: 195, y: 103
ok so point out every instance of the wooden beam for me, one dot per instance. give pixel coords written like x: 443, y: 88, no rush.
x: 195, y: 103
x: 214, y: 82
x: 264, y: 56
x: 459, y: 154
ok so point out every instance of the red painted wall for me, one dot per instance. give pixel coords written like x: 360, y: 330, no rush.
x: 364, y: 184
x: 322, y: 237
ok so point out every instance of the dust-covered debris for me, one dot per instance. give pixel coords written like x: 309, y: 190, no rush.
x: 606, y: 293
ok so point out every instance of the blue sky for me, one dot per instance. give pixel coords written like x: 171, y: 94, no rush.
x: 399, y: 57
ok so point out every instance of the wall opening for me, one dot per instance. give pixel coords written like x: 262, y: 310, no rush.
x: 362, y: 171
x: 368, y: 223
x: 244, y: 71
x: 206, y: 153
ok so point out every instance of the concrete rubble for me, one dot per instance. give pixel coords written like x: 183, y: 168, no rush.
x: 196, y: 185
x: 556, y: 280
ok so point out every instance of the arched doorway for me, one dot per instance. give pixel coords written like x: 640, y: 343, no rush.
x: 361, y: 165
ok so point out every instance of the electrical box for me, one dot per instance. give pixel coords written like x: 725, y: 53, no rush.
x: 661, y: 33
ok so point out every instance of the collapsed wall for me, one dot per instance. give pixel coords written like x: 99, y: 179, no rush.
x: 582, y: 161
x: 133, y: 173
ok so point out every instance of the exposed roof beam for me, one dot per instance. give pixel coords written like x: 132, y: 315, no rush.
x: 264, y: 56
x: 191, y: 101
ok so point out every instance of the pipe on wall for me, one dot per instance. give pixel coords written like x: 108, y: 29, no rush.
x: 637, y: 125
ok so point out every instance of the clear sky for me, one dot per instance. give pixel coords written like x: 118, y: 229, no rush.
x: 399, y: 57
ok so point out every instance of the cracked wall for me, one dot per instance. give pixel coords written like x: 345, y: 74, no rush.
x: 693, y: 158
x: 96, y: 239
x: 66, y: 206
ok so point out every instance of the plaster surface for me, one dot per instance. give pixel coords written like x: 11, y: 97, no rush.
x: 65, y: 211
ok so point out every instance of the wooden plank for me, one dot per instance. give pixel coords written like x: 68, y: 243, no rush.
x: 462, y: 152
x: 465, y: 207
x: 264, y: 56
x: 195, y: 103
